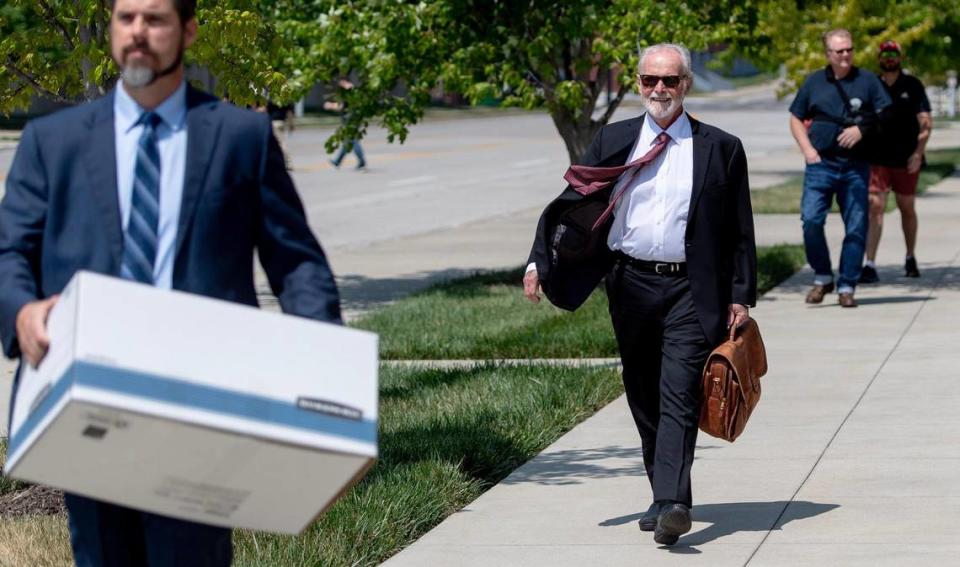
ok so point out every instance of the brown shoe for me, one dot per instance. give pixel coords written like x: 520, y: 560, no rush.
x: 818, y: 291
x: 847, y: 300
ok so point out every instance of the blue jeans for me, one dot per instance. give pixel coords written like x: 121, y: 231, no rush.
x: 352, y: 145
x: 849, y: 180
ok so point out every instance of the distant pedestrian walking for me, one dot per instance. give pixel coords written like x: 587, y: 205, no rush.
x: 843, y: 104
x: 897, y: 157
x: 353, y: 144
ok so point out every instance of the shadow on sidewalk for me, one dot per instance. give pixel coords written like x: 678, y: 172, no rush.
x: 573, y: 466
x: 891, y: 299
x: 728, y: 519
x: 891, y: 279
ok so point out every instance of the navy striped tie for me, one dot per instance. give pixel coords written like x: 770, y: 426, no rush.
x: 140, y: 243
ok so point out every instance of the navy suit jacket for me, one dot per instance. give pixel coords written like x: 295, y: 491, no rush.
x: 61, y: 213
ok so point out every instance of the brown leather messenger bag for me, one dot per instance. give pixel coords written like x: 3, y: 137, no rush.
x: 731, y: 383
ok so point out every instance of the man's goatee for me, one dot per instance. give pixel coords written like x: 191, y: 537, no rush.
x: 136, y: 77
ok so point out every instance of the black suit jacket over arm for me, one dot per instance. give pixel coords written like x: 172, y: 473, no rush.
x: 720, y: 246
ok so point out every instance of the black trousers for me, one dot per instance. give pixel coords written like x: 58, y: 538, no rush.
x: 663, y: 349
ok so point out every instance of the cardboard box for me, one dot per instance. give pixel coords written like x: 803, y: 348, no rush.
x: 195, y: 408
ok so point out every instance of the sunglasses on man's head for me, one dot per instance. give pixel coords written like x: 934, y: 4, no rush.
x: 843, y: 51
x: 669, y: 81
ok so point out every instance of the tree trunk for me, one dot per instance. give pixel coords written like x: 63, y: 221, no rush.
x: 90, y: 88
x: 576, y: 135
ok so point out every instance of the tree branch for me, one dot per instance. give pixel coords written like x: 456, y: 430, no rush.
x: 7, y: 96
x: 101, y: 22
x: 51, y: 17
x: 612, y: 107
x: 32, y: 81
x: 567, y: 64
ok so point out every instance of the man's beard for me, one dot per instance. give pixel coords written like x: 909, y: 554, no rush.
x: 660, y: 109
x: 890, y: 66
x: 139, y: 76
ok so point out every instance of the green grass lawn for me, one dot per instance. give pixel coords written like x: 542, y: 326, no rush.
x: 487, y: 316
x: 445, y: 437
x: 7, y: 484
x: 785, y: 198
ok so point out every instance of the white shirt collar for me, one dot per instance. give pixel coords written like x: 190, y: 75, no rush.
x: 173, y: 110
x: 677, y: 131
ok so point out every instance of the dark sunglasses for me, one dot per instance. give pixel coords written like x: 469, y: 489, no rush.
x: 889, y: 54
x: 842, y: 51
x: 669, y: 81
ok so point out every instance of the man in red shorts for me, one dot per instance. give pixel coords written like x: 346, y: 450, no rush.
x: 897, y: 158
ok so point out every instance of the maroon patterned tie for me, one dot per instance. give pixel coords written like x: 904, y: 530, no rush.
x: 587, y: 180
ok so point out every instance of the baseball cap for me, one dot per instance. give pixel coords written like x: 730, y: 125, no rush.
x: 889, y: 45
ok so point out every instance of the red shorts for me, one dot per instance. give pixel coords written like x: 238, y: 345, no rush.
x: 883, y: 178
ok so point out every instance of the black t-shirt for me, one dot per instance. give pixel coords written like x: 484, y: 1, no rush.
x: 898, y: 137
x: 819, y: 99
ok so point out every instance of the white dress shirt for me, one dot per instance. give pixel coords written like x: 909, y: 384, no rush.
x: 650, y: 220
x: 172, y: 146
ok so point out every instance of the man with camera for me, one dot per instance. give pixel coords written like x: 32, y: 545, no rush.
x: 840, y: 104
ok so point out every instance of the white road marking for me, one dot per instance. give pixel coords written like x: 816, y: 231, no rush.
x: 412, y: 181
x: 531, y: 162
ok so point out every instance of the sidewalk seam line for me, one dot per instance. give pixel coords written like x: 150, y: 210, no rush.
x: 856, y: 404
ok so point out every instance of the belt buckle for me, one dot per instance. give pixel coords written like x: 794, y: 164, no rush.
x: 661, y: 268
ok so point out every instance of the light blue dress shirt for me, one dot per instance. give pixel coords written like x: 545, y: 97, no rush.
x: 172, y: 145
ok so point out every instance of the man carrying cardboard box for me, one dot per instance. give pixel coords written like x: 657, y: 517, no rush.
x: 161, y: 184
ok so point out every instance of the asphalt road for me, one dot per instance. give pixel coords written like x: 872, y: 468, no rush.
x: 454, y: 172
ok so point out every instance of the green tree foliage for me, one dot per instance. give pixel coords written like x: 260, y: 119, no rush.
x: 539, y: 53
x: 554, y: 53
x: 56, y: 49
x: 558, y: 53
x: 564, y: 55
x: 59, y: 50
x: 392, y: 51
x: 789, y: 32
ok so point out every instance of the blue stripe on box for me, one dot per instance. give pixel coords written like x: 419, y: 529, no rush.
x: 196, y: 396
x: 51, y: 398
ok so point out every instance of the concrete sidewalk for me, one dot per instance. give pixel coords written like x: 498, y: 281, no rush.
x: 850, y: 459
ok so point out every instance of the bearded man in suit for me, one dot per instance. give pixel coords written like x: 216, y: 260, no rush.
x: 164, y: 185
x: 679, y: 264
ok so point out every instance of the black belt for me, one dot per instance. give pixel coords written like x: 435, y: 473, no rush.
x: 661, y: 268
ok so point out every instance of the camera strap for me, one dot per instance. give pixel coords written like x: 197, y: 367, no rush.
x: 843, y: 95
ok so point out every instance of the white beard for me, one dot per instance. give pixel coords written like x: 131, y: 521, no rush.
x: 661, y: 109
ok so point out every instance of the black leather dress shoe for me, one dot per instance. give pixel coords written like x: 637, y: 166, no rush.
x: 648, y: 522
x: 673, y: 521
